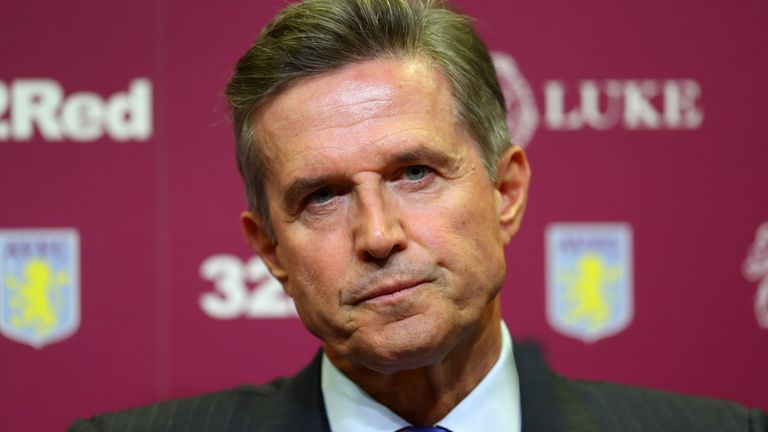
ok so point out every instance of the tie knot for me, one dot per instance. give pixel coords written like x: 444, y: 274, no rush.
x: 423, y: 429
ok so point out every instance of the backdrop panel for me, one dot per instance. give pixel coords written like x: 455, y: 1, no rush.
x: 640, y: 260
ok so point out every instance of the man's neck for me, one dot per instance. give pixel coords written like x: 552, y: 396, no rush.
x: 425, y: 395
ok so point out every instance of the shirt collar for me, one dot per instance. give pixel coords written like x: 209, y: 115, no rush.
x: 494, y: 403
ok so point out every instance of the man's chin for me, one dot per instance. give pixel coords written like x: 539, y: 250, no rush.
x: 403, y: 363
x: 390, y: 355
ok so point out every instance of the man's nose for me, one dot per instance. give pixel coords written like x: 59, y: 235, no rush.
x: 378, y: 230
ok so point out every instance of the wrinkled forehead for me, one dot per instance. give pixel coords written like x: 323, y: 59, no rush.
x: 319, y: 106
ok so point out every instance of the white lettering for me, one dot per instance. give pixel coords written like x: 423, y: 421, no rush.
x: 4, y: 103
x: 761, y: 304
x: 588, y: 110
x: 81, y: 117
x: 590, y: 104
x: 630, y: 103
x: 554, y: 115
x: 84, y: 116
x: 680, y: 110
x: 129, y: 115
x: 232, y: 298
x: 34, y: 103
x: 226, y: 273
x: 639, y: 112
x: 756, y: 264
x: 268, y: 300
x: 756, y: 269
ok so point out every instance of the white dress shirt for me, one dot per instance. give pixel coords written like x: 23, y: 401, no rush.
x: 493, y: 405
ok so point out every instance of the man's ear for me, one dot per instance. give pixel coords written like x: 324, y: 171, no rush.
x: 266, y: 248
x: 513, y: 177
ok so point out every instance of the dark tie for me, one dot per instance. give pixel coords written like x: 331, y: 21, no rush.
x: 423, y: 429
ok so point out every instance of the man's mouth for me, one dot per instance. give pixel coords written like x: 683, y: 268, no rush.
x: 388, y: 292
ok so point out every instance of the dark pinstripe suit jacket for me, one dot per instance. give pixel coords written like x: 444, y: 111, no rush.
x: 548, y: 403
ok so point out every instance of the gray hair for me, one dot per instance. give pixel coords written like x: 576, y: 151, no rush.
x: 317, y: 36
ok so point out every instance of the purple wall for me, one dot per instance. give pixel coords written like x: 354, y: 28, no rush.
x: 112, y: 123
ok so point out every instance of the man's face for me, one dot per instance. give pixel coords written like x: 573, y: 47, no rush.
x: 389, y: 233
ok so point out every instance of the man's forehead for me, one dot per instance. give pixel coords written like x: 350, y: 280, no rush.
x: 371, y: 81
x: 315, y: 109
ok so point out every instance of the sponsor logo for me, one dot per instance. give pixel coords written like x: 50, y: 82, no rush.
x: 27, y: 105
x: 522, y: 114
x: 39, y: 285
x: 589, y: 279
x: 243, y: 290
x: 629, y: 104
x: 756, y: 269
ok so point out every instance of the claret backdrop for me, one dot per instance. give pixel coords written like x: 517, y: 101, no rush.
x: 124, y: 279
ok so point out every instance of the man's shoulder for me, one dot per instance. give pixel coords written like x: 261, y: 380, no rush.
x: 285, y: 404
x: 624, y: 407
x: 550, y: 401
x: 200, y: 412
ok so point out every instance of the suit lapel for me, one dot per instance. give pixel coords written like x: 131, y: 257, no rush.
x: 547, y: 403
x: 298, y: 404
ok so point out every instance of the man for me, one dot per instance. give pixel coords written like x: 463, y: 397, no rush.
x: 382, y: 189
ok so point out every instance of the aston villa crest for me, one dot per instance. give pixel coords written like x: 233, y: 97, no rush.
x: 589, y: 279
x: 39, y: 285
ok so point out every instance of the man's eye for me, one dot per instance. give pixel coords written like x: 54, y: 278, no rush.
x: 416, y: 172
x: 321, y: 196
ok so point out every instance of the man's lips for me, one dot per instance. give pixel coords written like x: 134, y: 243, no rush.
x: 386, y: 291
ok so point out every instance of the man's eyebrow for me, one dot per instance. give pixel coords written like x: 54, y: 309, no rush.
x: 296, y: 191
x: 418, y: 155
x: 421, y: 154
